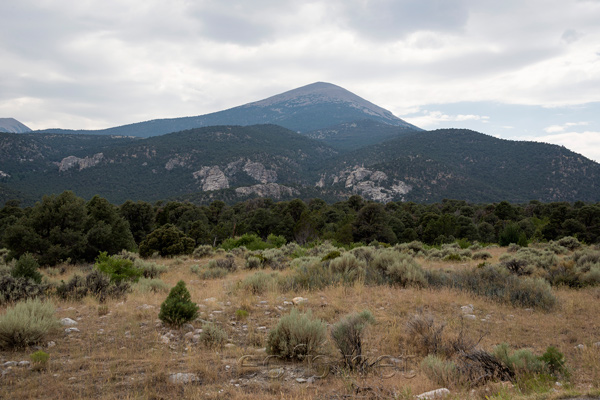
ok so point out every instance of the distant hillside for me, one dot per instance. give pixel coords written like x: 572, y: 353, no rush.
x: 466, y: 165
x: 315, y: 106
x: 256, y: 160
x: 354, y: 135
x: 233, y: 163
x: 13, y: 126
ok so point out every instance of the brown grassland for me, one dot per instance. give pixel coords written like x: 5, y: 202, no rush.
x: 120, y: 353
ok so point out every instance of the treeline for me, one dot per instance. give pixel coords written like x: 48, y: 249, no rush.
x: 67, y: 228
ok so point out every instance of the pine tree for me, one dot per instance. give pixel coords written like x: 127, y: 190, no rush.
x: 178, y: 308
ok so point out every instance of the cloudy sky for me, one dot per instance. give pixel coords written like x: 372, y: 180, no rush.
x: 517, y: 69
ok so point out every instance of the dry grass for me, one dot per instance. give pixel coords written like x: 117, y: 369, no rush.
x: 121, y: 355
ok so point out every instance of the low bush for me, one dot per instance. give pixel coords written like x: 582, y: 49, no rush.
x: 95, y: 283
x: 520, y: 362
x: 260, y: 282
x: 227, y: 263
x: 481, y: 255
x: 178, y: 307
x: 27, y: 267
x: 347, y: 335
x: 209, y: 273
x: 405, y: 271
x: 212, y: 336
x: 153, y: 285
x: 39, y: 360
x: 296, y: 336
x: 569, y: 242
x: 16, y: 289
x: 167, y: 241
x: 250, y: 241
x: 442, y: 372
x: 149, y: 269
x: 117, y: 269
x: 425, y: 334
x: 27, y: 323
x: 201, y: 251
x: 253, y: 262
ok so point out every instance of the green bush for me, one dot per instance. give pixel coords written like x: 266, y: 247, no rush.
x: 167, y: 241
x: 249, y: 240
x: 39, y: 360
x: 226, y: 263
x: 520, y: 362
x: 481, y: 255
x: 213, y: 336
x: 347, y: 336
x: 276, y: 241
x: 27, y: 267
x: 405, y: 271
x: 241, y: 314
x: 117, y: 269
x: 178, y: 307
x: 209, y: 273
x: 26, y: 323
x: 331, y: 255
x: 555, y: 362
x: 569, y: 242
x: 296, y: 336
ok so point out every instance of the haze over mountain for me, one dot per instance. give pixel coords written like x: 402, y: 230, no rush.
x: 13, y: 126
x: 311, y: 107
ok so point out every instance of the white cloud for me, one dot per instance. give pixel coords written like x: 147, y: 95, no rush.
x: 429, y: 119
x: 561, y: 128
x: 100, y: 63
x: 586, y: 143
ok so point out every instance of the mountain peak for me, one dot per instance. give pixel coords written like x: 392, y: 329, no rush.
x: 11, y: 125
x: 322, y: 93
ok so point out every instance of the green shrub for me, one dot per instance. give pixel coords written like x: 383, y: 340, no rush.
x: 555, y: 362
x: 27, y: 267
x: 167, y: 241
x: 178, y: 307
x: 205, y: 250
x: 154, y: 285
x: 276, y: 241
x: 442, y: 372
x: 26, y: 323
x: 569, y: 242
x: 309, y: 273
x: 16, y: 289
x: 241, y: 314
x: 296, y: 336
x: 331, y: 255
x: 213, y: 336
x: 39, y: 360
x: 520, y: 362
x: 402, y: 270
x: 347, y: 336
x: 117, y: 269
x: 249, y: 240
x: 226, y: 263
x: 348, y: 268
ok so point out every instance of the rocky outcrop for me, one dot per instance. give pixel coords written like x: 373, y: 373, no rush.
x: 373, y: 185
x: 174, y: 162
x: 267, y: 190
x: 4, y: 175
x: 258, y: 171
x: 70, y: 162
x: 211, y: 178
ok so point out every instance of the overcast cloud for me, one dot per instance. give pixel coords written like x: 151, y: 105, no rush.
x: 479, y: 64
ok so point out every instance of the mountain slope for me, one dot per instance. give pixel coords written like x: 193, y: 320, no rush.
x: 13, y: 126
x: 258, y: 159
x: 467, y: 165
x: 315, y: 106
x: 354, y: 135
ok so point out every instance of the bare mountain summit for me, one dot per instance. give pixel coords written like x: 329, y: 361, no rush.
x: 11, y: 125
x: 316, y: 106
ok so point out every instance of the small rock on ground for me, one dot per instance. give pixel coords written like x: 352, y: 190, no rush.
x: 434, y: 394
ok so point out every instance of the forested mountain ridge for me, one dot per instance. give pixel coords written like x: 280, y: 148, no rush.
x: 315, y: 106
x: 233, y: 163
x: 463, y: 164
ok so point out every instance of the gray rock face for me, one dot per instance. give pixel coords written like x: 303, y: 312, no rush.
x: 267, y: 190
x: 373, y: 185
x: 258, y: 171
x: 72, y: 161
x: 174, y: 162
x: 4, y: 175
x: 211, y: 178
